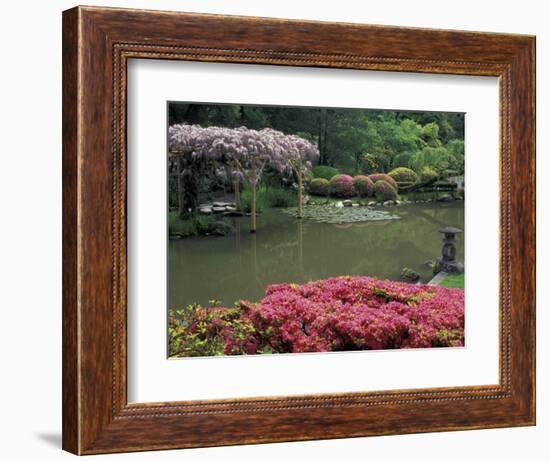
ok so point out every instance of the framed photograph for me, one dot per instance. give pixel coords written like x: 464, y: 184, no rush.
x: 284, y: 230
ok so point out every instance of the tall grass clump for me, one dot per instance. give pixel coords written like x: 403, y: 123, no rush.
x: 281, y: 198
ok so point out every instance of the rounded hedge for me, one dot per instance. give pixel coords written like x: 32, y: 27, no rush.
x: 363, y: 185
x: 403, y: 174
x: 428, y: 174
x: 341, y: 185
x: 383, y: 177
x: 324, y: 171
x: 319, y: 186
x: 384, y: 191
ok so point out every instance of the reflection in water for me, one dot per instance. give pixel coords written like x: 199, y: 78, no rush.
x: 286, y: 249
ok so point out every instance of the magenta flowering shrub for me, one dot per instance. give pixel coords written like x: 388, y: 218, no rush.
x: 384, y: 191
x: 383, y: 177
x: 363, y: 185
x: 337, y: 314
x: 341, y: 185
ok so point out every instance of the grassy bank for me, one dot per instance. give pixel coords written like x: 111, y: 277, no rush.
x: 453, y: 281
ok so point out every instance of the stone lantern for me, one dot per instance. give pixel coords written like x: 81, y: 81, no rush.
x: 447, y: 263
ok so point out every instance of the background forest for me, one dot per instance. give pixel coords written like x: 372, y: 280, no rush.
x: 352, y: 140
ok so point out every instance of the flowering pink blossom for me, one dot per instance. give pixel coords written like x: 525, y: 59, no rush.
x: 245, y: 150
x: 347, y: 313
x: 341, y: 185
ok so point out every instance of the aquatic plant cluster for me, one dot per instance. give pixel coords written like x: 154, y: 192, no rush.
x: 336, y: 314
x: 343, y: 215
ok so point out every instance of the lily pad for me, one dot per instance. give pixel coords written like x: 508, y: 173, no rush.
x: 344, y: 215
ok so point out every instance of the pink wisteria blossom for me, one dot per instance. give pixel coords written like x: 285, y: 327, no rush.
x: 246, y: 152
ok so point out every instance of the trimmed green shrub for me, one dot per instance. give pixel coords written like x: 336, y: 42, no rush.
x: 428, y: 174
x: 383, y: 177
x: 384, y: 191
x: 319, y: 186
x: 341, y: 185
x: 363, y: 185
x: 403, y: 174
x: 324, y: 171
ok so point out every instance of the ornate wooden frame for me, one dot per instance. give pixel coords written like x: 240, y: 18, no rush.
x: 97, y: 43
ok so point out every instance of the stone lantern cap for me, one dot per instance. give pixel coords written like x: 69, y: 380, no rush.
x: 450, y: 230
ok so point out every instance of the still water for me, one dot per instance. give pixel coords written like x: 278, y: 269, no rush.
x: 284, y: 249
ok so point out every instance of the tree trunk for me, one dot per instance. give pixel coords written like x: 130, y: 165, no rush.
x: 321, y: 138
x: 181, y: 198
x: 301, y: 247
x: 300, y: 204
x: 237, y: 188
x: 325, y: 130
x: 253, y: 210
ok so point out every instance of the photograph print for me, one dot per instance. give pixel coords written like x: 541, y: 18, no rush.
x: 313, y: 229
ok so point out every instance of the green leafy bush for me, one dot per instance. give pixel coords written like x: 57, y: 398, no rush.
x: 370, y: 164
x: 324, y: 171
x: 428, y: 174
x: 383, y: 177
x: 319, y: 186
x: 403, y: 174
x: 384, y: 191
x: 402, y: 160
x: 363, y: 185
x: 341, y: 185
x: 198, y: 331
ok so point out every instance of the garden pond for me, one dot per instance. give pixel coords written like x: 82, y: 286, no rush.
x: 285, y: 249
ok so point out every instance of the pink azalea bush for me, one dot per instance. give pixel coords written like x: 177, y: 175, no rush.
x: 341, y: 185
x: 383, y: 177
x: 384, y: 191
x: 363, y: 185
x: 336, y: 314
